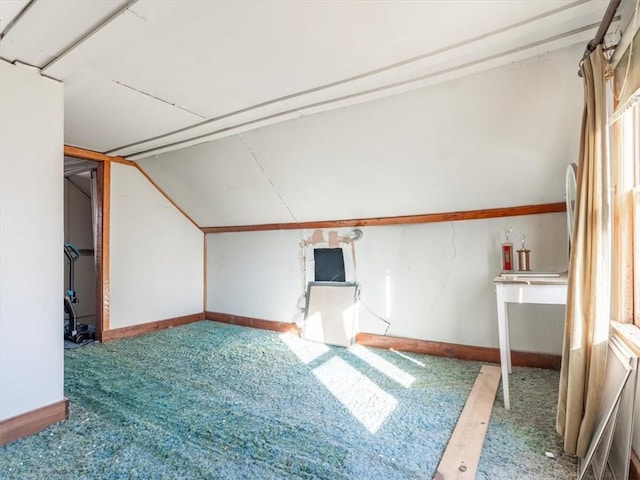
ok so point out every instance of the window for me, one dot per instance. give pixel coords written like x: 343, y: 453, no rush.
x: 626, y: 141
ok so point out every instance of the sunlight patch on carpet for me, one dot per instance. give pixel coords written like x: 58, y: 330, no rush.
x: 383, y: 366
x: 367, y: 402
x: 304, y: 349
x: 407, y: 357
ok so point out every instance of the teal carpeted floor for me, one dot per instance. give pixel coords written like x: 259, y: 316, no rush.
x: 209, y: 400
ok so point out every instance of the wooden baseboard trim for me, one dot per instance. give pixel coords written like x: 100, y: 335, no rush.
x: 463, y: 352
x: 251, y: 322
x: 634, y: 471
x: 425, y: 347
x: 32, y: 422
x: 142, y: 329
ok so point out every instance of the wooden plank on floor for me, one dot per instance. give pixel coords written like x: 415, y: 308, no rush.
x: 461, y: 457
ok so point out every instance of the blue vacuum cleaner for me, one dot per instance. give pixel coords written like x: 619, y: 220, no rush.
x: 73, y: 331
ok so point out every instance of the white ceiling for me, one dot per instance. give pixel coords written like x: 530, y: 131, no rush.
x: 145, y: 77
x: 493, y: 139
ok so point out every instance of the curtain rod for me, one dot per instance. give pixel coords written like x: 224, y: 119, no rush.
x: 609, y: 14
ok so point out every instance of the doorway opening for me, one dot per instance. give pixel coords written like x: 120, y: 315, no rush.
x: 83, y: 205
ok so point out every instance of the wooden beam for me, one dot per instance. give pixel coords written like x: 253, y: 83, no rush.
x: 401, y: 220
x: 164, y: 194
x: 85, y: 154
x: 104, y: 248
x: 204, y: 264
x: 463, y: 352
x: 31, y: 422
x: 462, y: 455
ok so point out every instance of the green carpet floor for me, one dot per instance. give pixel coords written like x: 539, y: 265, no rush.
x: 208, y: 401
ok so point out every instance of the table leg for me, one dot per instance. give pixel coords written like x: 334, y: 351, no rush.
x: 503, y: 335
x: 507, y: 336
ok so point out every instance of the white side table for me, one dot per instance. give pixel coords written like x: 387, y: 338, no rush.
x: 523, y: 288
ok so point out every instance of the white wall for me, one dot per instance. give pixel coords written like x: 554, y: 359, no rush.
x: 156, y: 254
x: 31, y: 237
x: 254, y: 274
x: 498, y: 138
x: 78, y: 230
x: 439, y: 276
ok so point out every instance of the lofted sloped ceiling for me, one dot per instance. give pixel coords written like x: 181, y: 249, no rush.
x: 147, y: 77
x: 499, y: 138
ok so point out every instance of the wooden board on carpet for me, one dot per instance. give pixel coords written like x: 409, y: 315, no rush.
x: 461, y: 457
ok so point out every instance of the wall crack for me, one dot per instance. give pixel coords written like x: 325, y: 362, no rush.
x: 154, y: 97
x: 452, y: 257
x: 266, y: 175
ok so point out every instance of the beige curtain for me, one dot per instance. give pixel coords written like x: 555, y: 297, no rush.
x: 588, y: 300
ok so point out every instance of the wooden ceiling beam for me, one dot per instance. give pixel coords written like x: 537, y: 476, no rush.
x: 84, y: 154
x: 401, y: 220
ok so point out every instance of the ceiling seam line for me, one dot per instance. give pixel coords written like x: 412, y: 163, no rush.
x: 152, y: 96
x: 17, y: 18
x: 300, y: 110
x: 88, y: 35
x: 370, y: 73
